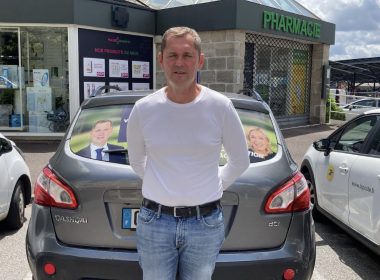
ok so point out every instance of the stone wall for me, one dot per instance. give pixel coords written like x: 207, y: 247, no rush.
x: 224, y: 64
x: 224, y: 61
x: 320, y: 57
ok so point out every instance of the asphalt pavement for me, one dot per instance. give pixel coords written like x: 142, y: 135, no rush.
x: 299, y: 139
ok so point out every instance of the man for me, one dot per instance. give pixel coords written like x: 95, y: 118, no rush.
x: 175, y: 137
x: 100, y: 133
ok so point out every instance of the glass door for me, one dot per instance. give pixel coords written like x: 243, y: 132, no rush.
x: 11, y: 82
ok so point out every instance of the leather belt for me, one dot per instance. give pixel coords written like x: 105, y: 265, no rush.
x: 182, y: 212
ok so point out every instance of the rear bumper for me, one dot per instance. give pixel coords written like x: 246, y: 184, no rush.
x: 83, y: 263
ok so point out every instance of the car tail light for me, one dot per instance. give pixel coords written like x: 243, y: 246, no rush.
x: 289, y: 274
x: 293, y: 196
x: 49, y: 269
x: 50, y: 191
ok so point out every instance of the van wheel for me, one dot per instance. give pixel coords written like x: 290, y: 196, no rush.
x: 313, y: 195
x: 16, y: 214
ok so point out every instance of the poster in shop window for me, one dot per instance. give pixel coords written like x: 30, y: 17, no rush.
x: 118, y: 68
x: 140, y: 69
x: 41, y: 78
x: 140, y: 86
x: 114, y: 58
x: 91, y: 88
x: 93, y: 67
x: 122, y: 86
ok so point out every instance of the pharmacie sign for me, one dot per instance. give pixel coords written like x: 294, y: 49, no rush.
x: 289, y: 24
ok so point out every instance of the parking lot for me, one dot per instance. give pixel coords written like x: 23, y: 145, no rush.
x: 338, y: 255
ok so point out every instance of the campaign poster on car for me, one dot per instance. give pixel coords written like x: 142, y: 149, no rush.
x: 104, y: 127
x: 260, y: 135
x: 114, y: 58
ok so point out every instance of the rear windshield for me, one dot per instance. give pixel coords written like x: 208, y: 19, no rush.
x: 101, y: 134
x: 260, y: 136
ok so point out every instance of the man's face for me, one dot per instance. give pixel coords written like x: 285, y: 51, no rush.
x: 100, y: 133
x: 180, y: 61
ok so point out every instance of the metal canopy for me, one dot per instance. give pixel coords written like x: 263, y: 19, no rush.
x: 291, y: 6
x: 356, y: 71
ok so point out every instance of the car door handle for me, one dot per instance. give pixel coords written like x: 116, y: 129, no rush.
x: 378, y: 176
x: 343, y: 170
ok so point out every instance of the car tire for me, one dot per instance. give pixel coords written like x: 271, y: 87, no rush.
x: 16, y: 214
x: 313, y: 195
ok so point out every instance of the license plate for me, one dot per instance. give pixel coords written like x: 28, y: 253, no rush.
x: 129, y: 218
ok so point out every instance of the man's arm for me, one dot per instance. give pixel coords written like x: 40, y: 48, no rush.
x: 136, y: 143
x: 235, y: 145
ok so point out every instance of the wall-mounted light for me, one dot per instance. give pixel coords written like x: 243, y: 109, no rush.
x: 120, y: 16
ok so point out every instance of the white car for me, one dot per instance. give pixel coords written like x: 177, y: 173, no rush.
x: 343, y: 174
x: 15, y: 184
x: 360, y: 106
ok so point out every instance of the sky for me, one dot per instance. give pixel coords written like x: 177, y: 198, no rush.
x: 357, y: 26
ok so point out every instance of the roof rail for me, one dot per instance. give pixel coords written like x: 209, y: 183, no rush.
x: 106, y: 90
x: 250, y: 92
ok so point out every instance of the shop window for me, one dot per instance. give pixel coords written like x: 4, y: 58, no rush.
x: 34, y: 95
x: 45, y: 64
x: 9, y: 82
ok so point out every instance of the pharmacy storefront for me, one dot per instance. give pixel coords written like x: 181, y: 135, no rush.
x: 54, y: 56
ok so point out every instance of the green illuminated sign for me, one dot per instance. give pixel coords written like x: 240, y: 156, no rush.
x: 289, y: 24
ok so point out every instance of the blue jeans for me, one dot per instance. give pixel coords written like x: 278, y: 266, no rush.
x: 189, y: 246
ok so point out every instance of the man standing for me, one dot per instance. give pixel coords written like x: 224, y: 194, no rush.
x: 175, y: 137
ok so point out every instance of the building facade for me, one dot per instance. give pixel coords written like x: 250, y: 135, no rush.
x: 54, y: 54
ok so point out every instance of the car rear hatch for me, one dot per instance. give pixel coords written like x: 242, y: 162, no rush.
x: 108, y: 194
x: 103, y: 196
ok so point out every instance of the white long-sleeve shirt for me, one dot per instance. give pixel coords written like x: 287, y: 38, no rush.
x: 175, y: 148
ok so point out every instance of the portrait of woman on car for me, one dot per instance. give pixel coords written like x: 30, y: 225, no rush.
x: 259, y: 146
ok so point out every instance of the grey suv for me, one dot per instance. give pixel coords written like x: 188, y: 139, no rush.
x: 84, y: 213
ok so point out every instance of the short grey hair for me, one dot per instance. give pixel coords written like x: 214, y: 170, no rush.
x: 181, y: 31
